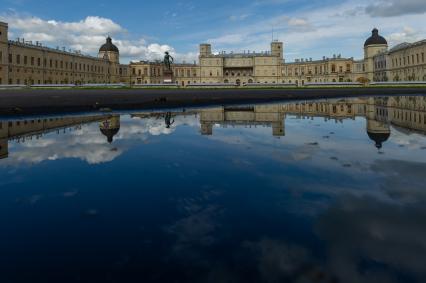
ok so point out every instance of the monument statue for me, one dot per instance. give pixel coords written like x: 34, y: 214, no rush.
x: 168, y: 61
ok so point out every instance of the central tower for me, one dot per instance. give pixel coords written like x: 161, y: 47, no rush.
x: 205, y: 50
x: 277, y: 49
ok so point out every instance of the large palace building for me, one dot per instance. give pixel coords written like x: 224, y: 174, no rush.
x: 28, y: 63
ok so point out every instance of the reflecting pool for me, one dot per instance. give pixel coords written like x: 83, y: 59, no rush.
x: 308, y: 191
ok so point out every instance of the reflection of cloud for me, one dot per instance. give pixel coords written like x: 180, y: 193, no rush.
x: 305, y: 152
x: 154, y: 126
x: 195, y: 230
x: 404, y: 181
x: 85, y: 144
x: 279, y: 261
x: 88, y: 144
x: 374, y: 241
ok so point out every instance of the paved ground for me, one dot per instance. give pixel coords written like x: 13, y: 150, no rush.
x: 19, y: 102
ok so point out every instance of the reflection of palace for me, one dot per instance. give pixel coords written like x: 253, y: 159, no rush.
x: 24, y: 130
x: 403, y: 113
x: 406, y: 114
x: 260, y: 115
x: 110, y: 127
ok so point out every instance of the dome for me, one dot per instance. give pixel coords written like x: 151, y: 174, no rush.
x: 110, y: 127
x: 109, y: 46
x: 378, y: 138
x: 110, y: 133
x: 375, y: 39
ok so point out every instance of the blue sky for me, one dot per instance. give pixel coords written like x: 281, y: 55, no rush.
x: 144, y: 30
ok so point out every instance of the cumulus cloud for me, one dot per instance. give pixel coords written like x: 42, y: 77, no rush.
x: 364, y: 229
x: 87, y: 35
x: 321, y: 30
x: 407, y: 34
x: 391, y: 8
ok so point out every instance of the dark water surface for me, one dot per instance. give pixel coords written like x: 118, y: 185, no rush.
x: 325, y: 191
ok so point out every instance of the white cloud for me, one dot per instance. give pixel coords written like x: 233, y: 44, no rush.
x: 87, y: 35
x: 391, y: 8
x: 407, y: 34
x: 322, y: 31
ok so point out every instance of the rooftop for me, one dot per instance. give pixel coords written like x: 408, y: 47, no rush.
x: 39, y: 46
x: 406, y: 45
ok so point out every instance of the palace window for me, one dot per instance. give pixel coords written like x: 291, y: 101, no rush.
x: 18, y: 59
x: 423, y: 57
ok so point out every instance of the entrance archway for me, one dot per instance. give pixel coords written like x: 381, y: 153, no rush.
x: 238, y: 82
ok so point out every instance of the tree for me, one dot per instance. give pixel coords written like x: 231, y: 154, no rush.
x: 363, y: 80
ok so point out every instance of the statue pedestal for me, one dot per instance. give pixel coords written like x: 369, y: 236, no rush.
x: 168, y: 76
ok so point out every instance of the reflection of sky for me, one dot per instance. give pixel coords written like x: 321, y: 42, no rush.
x: 320, y: 204
x: 88, y: 144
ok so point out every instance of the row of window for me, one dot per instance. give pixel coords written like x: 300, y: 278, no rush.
x: 408, y: 60
x: 181, y: 72
x: 318, y: 70
x: 155, y: 72
x: 32, y: 61
x: 410, y: 116
x: 50, y: 81
x: 18, y: 70
x: 380, y: 64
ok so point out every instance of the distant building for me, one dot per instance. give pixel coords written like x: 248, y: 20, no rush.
x: 26, y: 62
x: 407, y: 62
x: 240, y: 68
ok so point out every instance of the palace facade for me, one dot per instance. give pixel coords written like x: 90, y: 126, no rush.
x: 30, y: 63
x: 405, y: 114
